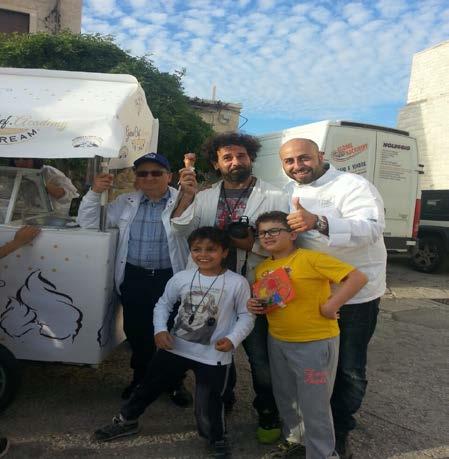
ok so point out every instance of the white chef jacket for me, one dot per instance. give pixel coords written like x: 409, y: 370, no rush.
x: 355, y: 213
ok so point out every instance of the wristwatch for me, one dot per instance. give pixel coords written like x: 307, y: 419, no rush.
x: 321, y: 225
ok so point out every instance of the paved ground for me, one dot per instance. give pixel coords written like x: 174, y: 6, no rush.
x: 405, y: 414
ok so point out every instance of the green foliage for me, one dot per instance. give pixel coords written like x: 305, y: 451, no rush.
x: 180, y: 128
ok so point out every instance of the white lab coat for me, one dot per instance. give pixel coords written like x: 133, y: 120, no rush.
x: 121, y: 213
x: 264, y: 198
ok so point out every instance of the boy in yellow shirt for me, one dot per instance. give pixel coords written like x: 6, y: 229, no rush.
x: 303, y: 334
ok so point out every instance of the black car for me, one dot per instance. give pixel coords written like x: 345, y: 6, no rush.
x: 433, y: 235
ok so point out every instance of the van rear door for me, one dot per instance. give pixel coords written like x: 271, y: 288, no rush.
x: 396, y: 177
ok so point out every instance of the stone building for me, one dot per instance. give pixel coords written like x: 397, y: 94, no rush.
x: 222, y: 116
x: 50, y: 16
x: 426, y: 115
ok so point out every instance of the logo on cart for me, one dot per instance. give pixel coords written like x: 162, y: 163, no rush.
x: 87, y: 141
x: 344, y: 152
x: 40, y: 308
x: 18, y: 129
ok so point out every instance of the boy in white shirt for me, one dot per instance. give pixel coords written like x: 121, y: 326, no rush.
x: 212, y: 321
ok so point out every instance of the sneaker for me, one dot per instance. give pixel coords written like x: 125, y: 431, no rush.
x: 181, y: 396
x: 288, y: 449
x: 221, y: 449
x: 342, y: 445
x: 4, y: 446
x: 269, y: 429
x: 120, y: 427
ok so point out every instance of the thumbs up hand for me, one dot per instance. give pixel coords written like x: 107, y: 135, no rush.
x: 300, y: 219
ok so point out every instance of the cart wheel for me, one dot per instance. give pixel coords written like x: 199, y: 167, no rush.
x: 9, y: 377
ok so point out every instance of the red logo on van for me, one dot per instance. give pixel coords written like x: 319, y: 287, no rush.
x: 344, y: 152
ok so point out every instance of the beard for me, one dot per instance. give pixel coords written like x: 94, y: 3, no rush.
x: 237, y: 175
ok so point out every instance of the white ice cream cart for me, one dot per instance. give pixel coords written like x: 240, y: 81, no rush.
x: 57, y: 298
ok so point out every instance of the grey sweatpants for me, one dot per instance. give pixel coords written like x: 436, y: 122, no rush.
x: 303, y: 376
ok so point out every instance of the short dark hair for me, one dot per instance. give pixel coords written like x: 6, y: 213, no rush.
x: 273, y: 216
x: 37, y: 162
x: 226, y: 139
x: 211, y: 233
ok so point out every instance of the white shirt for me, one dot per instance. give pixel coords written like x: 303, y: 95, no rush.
x: 212, y: 307
x: 55, y: 177
x: 355, y: 213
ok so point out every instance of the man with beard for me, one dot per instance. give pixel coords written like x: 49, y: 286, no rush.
x: 341, y: 214
x: 238, y: 194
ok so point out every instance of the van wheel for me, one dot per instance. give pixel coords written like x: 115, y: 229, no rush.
x: 9, y: 377
x: 429, y: 256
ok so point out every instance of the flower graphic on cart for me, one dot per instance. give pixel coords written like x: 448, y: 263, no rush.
x: 39, y: 305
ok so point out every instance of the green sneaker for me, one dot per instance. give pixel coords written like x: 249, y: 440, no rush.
x: 269, y: 429
x: 288, y: 449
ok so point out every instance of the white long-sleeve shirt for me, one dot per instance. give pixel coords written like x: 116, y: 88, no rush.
x: 212, y: 307
x: 355, y: 213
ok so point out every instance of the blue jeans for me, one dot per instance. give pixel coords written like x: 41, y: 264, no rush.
x: 256, y: 348
x: 357, y: 324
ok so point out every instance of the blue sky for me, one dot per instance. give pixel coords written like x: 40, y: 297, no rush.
x: 287, y: 62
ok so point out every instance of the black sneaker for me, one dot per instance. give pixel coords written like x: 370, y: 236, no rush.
x: 120, y: 427
x: 342, y: 445
x: 181, y: 396
x: 4, y: 446
x: 269, y: 429
x: 221, y: 449
x: 288, y: 449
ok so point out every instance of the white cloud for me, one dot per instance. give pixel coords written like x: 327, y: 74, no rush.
x: 319, y: 58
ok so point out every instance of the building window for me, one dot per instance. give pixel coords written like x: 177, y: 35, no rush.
x: 13, y: 21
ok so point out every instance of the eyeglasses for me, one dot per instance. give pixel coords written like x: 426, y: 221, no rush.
x: 271, y: 232
x: 156, y: 173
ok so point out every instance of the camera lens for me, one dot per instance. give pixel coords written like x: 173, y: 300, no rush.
x: 238, y: 230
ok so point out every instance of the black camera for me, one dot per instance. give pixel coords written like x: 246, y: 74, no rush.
x: 240, y: 229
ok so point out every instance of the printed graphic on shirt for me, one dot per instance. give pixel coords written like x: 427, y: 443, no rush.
x: 237, y: 206
x: 197, y: 316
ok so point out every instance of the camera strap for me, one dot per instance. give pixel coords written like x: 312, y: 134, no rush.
x: 244, y: 191
x: 197, y: 306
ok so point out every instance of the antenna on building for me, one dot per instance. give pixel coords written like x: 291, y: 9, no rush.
x: 214, y: 91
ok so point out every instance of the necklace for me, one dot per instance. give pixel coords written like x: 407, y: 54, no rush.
x: 195, y: 307
x: 244, y: 191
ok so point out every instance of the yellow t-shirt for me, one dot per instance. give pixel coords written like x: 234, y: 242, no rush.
x: 311, y: 274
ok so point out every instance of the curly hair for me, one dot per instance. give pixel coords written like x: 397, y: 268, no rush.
x: 226, y: 139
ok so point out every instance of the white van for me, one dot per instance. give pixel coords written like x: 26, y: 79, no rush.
x: 385, y: 156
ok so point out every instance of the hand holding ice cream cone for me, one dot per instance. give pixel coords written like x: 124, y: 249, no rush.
x: 187, y: 176
x: 189, y: 161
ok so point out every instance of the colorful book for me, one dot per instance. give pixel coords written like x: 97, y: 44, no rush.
x: 275, y: 289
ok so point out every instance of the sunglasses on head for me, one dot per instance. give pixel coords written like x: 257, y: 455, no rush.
x: 156, y: 173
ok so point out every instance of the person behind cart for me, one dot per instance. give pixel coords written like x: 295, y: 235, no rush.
x: 22, y: 237
x: 148, y: 255
x: 60, y: 188
x: 212, y: 321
